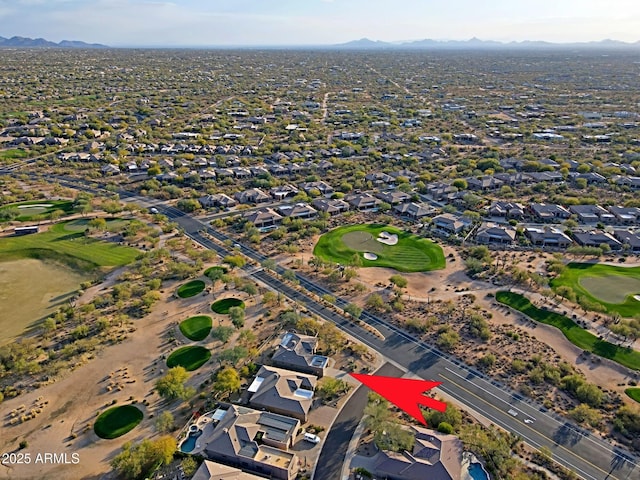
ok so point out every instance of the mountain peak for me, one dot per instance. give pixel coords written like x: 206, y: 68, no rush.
x: 26, y: 42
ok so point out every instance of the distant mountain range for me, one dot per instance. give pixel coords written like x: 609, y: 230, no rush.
x: 475, y: 43
x: 41, y: 42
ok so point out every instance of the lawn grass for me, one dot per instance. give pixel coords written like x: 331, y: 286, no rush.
x: 27, y: 213
x: 191, y: 357
x: 117, y: 421
x: 191, y: 289
x: 575, y: 334
x: 633, y: 393
x: 71, y: 248
x: 410, y: 254
x: 608, y: 289
x: 196, y: 328
x: 222, y: 306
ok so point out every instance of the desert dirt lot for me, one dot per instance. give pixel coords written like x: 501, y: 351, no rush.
x: 72, y: 404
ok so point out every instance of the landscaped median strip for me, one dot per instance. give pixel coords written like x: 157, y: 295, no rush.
x: 575, y: 334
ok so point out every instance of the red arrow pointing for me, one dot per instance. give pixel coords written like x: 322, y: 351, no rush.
x: 404, y: 393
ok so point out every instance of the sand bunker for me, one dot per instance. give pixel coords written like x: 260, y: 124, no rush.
x: 636, y: 297
x: 370, y: 256
x: 387, y: 238
x: 36, y: 205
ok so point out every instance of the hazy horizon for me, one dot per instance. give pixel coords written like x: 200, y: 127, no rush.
x: 275, y: 23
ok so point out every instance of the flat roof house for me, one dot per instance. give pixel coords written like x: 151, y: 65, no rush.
x: 283, y: 391
x: 626, y: 215
x: 298, y: 352
x: 434, y: 456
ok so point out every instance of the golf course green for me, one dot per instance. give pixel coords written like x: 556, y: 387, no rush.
x: 223, y: 305
x: 191, y: 357
x: 117, y: 421
x: 191, y: 289
x: 380, y: 246
x: 611, y: 286
x: 196, y: 328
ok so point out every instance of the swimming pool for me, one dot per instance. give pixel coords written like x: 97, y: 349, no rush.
x: 190, y: 443
x: 477, y: 472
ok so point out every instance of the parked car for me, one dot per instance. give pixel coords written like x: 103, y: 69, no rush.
x: 310, y: 437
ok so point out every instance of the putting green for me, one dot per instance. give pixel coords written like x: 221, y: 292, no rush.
x: 191, y: 289
x: 362, y: 242
x: 196, y: 328
x: 611, y: 288
x: 117, y: 421
x: 191, y: 358
x: 411, y: 254
x: 223, y: 305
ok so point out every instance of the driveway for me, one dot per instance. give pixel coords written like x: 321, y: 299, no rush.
x: 337, y: 441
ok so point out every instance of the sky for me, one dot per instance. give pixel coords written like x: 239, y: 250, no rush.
x: 316, y: 22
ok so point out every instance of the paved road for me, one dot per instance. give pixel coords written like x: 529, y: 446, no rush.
x: 337, y: 441
x: 586, y: 454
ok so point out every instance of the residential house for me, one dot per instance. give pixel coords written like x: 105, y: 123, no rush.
x: 449, y: 223
x: 380, y: 179
x: 283, y: 391
x: 251, y: 440
x: 331, y: 206
x: 283, y: 191
x: 408, y: 174
x: 548, y: 212
x: 253, y: 195
x: 435, y: 456
x: 265, y: 218
x: 626, y: 215
x: 596, y: 238
x: 217, y: 200
x: 632, y: 239
x: 323, y: 187
x: 394, y: 197
x: 216, y: 471
x: 299, y: 210
x: 440, y: 191
x: 484, y: 184
x: 632, y: 182
x: 110, y: 169
x: 414, y: 211
x: 591, y: 214
x: 506, y: 210
x: 538, y: 177
x: 512, y: 179
x: 547, y: 237
x: 365, y: 202
x: 298, y: 352
x: 491, y: 233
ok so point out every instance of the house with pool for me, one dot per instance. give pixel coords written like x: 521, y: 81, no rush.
x: 247, y: 439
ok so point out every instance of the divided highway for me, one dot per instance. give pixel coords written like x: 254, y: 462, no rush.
x: 586, y: 454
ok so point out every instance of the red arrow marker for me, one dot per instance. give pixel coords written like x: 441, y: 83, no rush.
x: 404, y: 393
